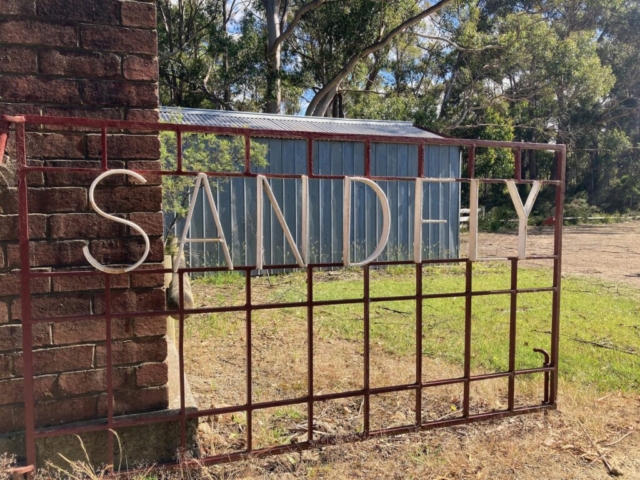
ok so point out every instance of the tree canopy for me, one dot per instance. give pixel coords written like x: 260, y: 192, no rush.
x: 557, y: 71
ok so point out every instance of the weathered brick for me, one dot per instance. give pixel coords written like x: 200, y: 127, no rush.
x: 140, y: 279
x: 119, y: 93
x: 39, y: 89
x: 11, y: 336
x: 137, y: 14
x: 81, y: 383
x: 152, y: 374
x: 69, y: 410
x: 10, y: 284
x: 67, y: 179
x: 35, y: 179
x: 132, y: 352
x: 127, y: 199
x: 143, y: 400
x: 51, y: 306
x: 2, y: 257
x: 12, y: 391
x: 17, y: 60
x: 6, y: 365
x: 94, y: 381
x: 118, y: 39
x: 4, y: 314
x: 57, y: 200
x: 56, y: 360
x: 11, y: 418
x: 19, y: 109
x: 8, y: 201
x: 44, y: 254
x: 84, y: 65
x: 75, y: 112
x: 150, y: 326
x: 33, y: 32
x: 123, y: 301
x: 84, y: 225
x: 18, y: 7
x: 9, y: 227
x: 81, y: 10
x: 83, y: 331
x: 140, y: 68
x: 135, y: 401
x: 117, y: 251
x: 55, y: 145
x: 125, y: 147
x: 145, y: 168
x: 146, y: 116
x: 151, y: 222
x: 88, y: 282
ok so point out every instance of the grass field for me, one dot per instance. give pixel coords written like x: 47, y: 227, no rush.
x: 600, y: 321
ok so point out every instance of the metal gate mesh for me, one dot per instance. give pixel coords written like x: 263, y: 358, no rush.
x: 549, y: 367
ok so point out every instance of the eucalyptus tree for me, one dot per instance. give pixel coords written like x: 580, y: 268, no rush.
x: 210, y: 54
x: 382, y: 28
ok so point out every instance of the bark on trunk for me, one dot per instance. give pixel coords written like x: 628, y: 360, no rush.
x: 274, y: 95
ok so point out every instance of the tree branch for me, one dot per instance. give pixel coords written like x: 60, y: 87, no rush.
x: 455, y: 45
x: 352, y: 62
x: 307, y: 7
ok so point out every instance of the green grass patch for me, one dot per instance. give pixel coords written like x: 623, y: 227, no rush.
x: 600, y: 321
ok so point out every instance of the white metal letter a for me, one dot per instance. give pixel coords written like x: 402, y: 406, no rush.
x: 187, y: 225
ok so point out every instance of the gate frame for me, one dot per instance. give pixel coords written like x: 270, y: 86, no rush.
x: 549, y: 368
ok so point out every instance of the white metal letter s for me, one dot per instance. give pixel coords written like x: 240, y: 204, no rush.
x: 136, y: 227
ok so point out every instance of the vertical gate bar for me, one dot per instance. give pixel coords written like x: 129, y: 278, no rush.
x: 248, y: 355
x: 419, y: 344
x: 367, y: 298
x: 109, y: 354
x: 421, y: 160
x: 310, y: 353
x: 310, y: 157
x: 467, y: 337
x: 517, y: 154
x: 512, y: 333
x: 471, y: 162
x: 25, y: 295
x: 103, y: 138
x: 367, y: 158
x: 179, y: 150
x: 247, y: 154
x: 561, y: 158
x: 183, y: 412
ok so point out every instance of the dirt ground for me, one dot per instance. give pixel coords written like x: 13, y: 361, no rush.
x: 610, y: 252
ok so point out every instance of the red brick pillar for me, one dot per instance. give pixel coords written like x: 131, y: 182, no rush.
x: 96, y: 59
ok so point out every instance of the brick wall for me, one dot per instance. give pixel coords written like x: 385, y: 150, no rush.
x: 95, y: 59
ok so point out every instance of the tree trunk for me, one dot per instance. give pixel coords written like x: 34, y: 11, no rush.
x: 274, y: 95
x: 533, y: 165
x: 227, y: 87
x: 450, y: 83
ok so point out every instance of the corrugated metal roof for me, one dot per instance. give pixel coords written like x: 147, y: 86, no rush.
x: 292, y: 123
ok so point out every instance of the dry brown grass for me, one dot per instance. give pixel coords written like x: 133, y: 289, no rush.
x: 590, y: 436
x: 565, y: 444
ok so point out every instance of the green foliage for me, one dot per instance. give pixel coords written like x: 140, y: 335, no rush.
x: 201, y: 153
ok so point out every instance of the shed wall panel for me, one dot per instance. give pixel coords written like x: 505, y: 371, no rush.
x: 236, y: 201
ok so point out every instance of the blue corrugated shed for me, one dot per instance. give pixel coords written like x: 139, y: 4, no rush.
x: 237, y: 203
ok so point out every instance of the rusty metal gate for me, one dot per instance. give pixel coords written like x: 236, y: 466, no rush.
x: 549, y: 368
